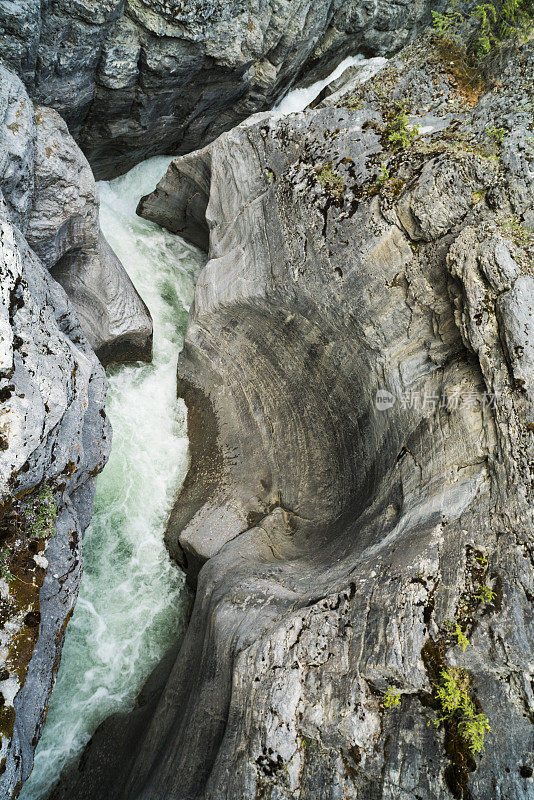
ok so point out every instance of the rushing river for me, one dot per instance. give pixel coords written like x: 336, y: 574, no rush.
x: 132, y: 599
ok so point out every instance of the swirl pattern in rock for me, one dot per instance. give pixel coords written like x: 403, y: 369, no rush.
x: 358, y: 373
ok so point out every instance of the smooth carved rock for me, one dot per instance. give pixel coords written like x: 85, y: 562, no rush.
x: 115, y: 318
x: 52, y: 197
x: 142, y: 77
x: 54, y: 434
x: 361, y: 460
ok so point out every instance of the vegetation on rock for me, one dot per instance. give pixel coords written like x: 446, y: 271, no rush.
x: 330, y: 180
x: 481, y: 27
x: 40, y: 513
x: 457, y: 706
x: 399, y: 133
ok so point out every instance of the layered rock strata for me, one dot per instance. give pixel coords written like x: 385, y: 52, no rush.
x: 358, y: 369
x: 135, y: 78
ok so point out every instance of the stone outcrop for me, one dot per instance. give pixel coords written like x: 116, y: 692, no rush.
x: 135, y: 78
x: 52, y: 198
x: 358, y: 369
x: 114, y: 317
x: 54, y: 439
x: 54, y: 434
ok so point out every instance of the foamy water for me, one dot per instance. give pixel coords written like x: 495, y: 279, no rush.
x: 298, y: 99
x: 132, y: 601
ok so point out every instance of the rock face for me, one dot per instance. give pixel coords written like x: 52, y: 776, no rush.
x: 359, y: 376
x: 52, y: 198
x: 116, y: 321
x: 135, y: 78
x: 54, y: 434
x: 55, y: 438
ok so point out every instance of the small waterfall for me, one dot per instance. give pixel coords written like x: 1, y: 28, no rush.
x: 132, y: 601
x: 298, y: 99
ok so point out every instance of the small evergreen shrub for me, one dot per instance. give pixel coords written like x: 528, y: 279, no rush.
x: 481, y: 27
x: 40, y: 514
x: 399, y: 133
x: 458, y: 708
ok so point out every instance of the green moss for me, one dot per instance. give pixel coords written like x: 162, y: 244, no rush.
x: 392, y: 699
x: 383, y: 175
x: 5, y: 571
x: 497, y: 133
x: 522, y: 240
x: 351, y: 102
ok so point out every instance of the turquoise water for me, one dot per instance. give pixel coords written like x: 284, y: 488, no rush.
x: 132, y: 599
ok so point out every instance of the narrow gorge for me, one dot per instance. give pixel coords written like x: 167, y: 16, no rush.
x: 308, y: 273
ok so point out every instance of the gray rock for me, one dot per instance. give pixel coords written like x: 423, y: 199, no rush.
x: 516, y: 315
x: 116, y: 321
x: 54, y: 434
x: 361, y: 462
x: 54, y: 431
x: 52, y: 197
x: 145, y: 77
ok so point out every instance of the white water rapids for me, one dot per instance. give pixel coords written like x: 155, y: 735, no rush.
x: 132, y: 600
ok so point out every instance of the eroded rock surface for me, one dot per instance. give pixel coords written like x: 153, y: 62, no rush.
x: 55, y: 438
x: 54, y: 434
x: 137, y: 78
x: 52, y: 197
x: 358, y: 371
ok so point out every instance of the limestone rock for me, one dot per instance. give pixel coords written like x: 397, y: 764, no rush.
x: 52, y: 197
x: 357, y: 370
x: 116, y: 321
x: 54, y: 433
x: 145, y: 77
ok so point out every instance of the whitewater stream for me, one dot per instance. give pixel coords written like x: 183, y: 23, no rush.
x: 133, y: 602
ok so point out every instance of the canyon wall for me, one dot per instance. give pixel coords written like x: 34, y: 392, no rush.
x: 54, y: 433
x: 357, y: 517
x: 135, y: 78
